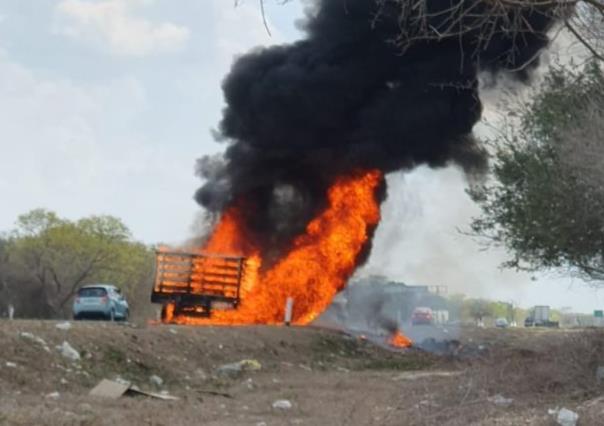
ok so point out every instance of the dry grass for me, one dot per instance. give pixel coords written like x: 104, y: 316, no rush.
x: 330, y: 379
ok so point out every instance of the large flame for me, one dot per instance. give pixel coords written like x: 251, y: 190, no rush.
x: 318, y: 265
x: 399, y: 340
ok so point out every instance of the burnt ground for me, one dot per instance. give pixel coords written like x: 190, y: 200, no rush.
x: 330, y: 378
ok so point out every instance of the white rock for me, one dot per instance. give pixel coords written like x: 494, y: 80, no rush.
x: 156, y: 380
x: 11, y: 364
x: 64, y: 325
x: 173, y: 331
x: 567, y: 417
x: 68, y: 351
x: 282, y: 404
x: 261, y: 424
x: 53, y: 395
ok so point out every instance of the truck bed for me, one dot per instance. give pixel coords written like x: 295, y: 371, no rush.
x: 196, y: 282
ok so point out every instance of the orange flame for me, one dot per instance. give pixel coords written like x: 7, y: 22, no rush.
x: 317, y: 266
x: 399, y: 340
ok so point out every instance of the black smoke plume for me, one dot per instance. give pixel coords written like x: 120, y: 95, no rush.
x: 348, y: 98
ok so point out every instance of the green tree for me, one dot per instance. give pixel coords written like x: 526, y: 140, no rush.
x: 478, y: 309
x: 57, y: 256
x: 546, y: 198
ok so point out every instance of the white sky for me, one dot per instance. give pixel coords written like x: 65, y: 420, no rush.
x: 106, y: 104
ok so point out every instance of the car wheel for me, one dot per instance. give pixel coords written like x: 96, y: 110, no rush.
x: 126, y: 315
x: 76, y: 317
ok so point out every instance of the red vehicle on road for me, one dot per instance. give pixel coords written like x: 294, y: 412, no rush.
x: 422, y: 316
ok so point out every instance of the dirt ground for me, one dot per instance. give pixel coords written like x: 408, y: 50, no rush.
x: 329, y: 378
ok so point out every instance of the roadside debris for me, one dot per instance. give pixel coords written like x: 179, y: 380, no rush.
x: 114, y: 390
x: 11, y: 364
x: 564, y: 416
x: 29, y: 336
x: 53, y: 395
x: 156, y: 380
x: 500, y: 400
x: 235, y: 369
x: 68, y: 351
x: 63, y: 325
x: 282, y: 404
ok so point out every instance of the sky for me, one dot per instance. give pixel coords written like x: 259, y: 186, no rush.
x: 106, y: 104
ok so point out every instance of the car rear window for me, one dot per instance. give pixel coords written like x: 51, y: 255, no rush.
x: 92, y: 292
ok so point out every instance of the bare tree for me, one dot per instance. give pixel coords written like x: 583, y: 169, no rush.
x: 583, y: 19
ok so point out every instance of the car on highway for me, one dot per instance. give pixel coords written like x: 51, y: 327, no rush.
x: 100, y: 301
x: 422, y: 316
x: 502, y: 323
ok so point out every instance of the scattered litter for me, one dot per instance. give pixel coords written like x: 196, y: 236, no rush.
x: 35, y: 339
x: 567, y: 417
x: 500, y: 400
x: 173, y: 331
x: 11, y: 364
x: 122, y: 381
x: 53, y: 395
x: 114, y: 390
x: 68, y: 351
x: 156, y: 380
x: 282, y: 404
x: 63, y: 381
x: 236, y: 368
x: 110, y: 389
x: 64, y: 325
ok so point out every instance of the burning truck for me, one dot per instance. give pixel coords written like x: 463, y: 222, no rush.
x: 312, y: 128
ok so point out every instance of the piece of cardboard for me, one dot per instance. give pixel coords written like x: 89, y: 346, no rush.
x: 114, y: 390
x: 134, y: 391
x: 109, y: 389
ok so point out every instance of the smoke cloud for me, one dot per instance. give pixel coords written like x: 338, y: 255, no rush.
x: 347, y: 98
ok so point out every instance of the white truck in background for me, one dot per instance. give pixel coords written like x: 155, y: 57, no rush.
x: 539, y: 316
